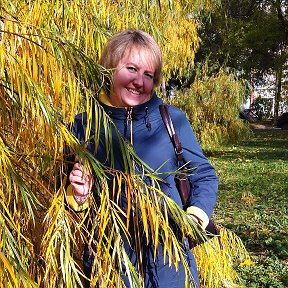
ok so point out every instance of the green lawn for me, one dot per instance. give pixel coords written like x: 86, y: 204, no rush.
x: 253, y: 202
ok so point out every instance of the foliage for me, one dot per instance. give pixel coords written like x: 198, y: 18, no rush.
x: 221, y: 273
x: 88, y: 24
x: 253, y: 203
x: 262, y: 108
x: 246, y: 35
x: 212, y: 104
x: 250, y: 36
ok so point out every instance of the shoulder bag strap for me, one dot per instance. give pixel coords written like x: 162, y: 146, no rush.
x: 174, y: 138
x: 181, y: 179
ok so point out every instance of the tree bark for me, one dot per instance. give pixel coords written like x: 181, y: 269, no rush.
x: 279, y: 73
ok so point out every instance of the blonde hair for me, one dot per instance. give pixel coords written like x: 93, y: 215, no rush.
x: 118, y: 44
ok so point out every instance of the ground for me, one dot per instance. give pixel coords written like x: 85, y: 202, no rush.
x: 252, y: 202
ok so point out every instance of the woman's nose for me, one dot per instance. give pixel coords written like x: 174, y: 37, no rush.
x: 138, y: 80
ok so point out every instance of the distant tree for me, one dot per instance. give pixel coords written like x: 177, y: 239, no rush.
x: 212, y: 104
x: 248, y: 35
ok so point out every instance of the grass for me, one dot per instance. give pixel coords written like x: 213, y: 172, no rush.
x: 253, y: 202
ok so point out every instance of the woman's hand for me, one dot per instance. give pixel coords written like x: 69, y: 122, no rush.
x: 82, y: 181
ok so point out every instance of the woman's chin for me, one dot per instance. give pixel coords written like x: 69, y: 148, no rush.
x: 135, y: 101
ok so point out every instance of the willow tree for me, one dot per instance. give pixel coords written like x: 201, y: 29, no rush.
x: 49, y: 73
x: 212, y: 104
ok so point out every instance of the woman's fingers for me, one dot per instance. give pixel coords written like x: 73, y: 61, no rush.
x: 82, y: 181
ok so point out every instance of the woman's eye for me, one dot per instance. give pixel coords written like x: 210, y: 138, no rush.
x: 131, y: 68
x: 150, y: 76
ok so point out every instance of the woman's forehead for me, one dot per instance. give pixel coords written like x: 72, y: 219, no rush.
x: 139, y: 55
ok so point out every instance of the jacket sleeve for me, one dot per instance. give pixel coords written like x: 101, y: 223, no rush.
x: 78, y: 131
x: 203, y: 178
x: 73, y: 203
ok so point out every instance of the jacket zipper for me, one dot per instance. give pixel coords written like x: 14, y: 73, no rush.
x: 129, y: 123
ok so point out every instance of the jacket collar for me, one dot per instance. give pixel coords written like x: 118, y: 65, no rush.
x: 138, y: 111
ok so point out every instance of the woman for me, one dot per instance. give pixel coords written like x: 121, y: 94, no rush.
x: 135, y: 61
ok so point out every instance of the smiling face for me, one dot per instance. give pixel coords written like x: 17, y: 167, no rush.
x: 133, y: 79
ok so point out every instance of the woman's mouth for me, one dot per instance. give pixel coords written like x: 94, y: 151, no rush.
x: 134, y: 91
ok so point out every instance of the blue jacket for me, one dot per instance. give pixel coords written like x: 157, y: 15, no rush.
x: 152, y: 144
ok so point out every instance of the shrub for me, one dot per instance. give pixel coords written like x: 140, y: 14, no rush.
x: 212, y: 105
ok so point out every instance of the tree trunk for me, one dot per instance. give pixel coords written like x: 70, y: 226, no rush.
x: 279, y: 73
